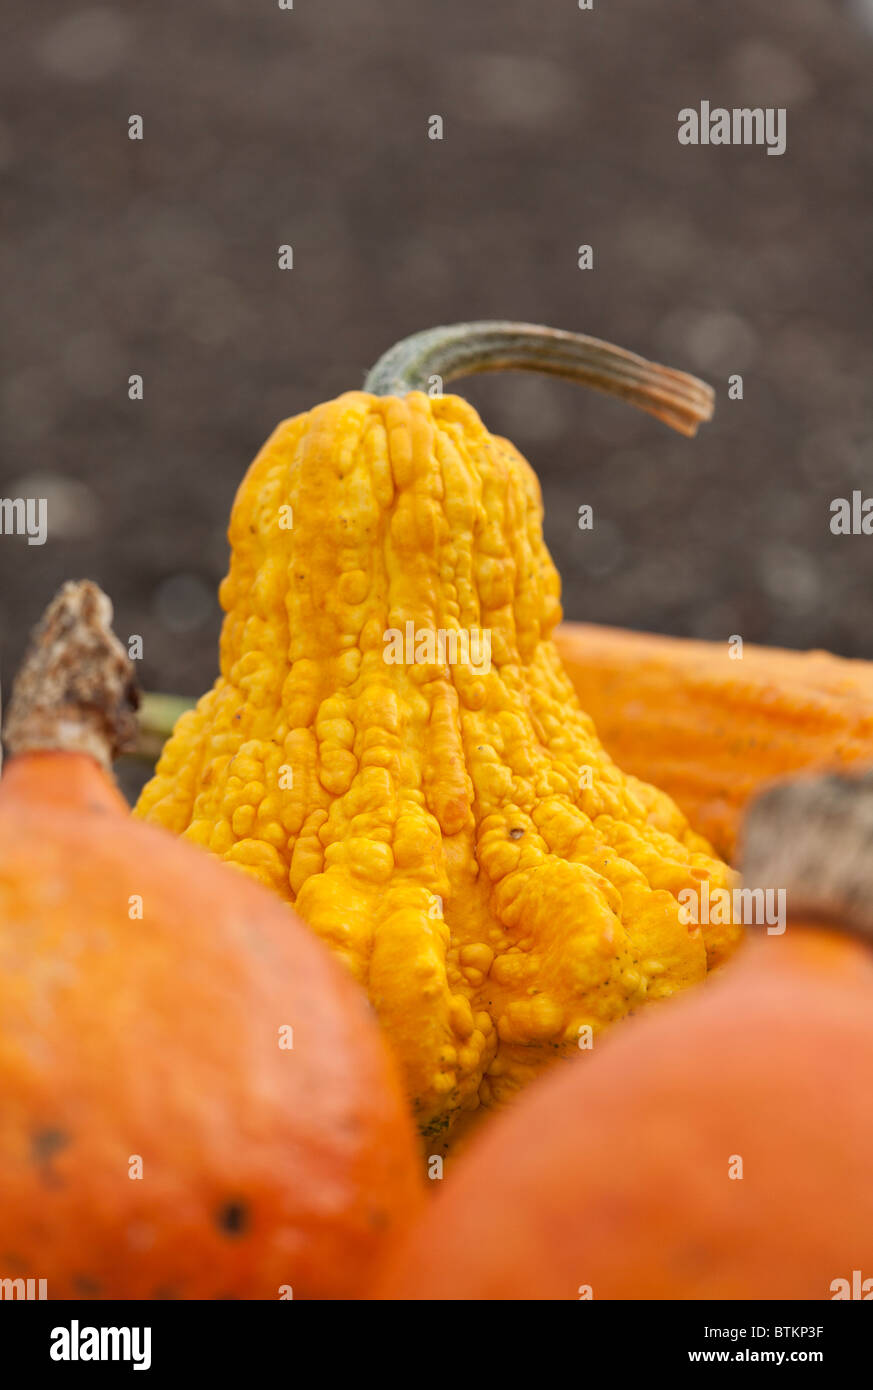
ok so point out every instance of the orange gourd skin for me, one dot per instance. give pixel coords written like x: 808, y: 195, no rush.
x: 711, y: 731
x: 452, y: 829
x: 158, y: 1037
x: 614, y: 1176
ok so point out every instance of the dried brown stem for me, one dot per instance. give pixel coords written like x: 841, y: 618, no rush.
x: 75, y: 691
x: 814, y: 838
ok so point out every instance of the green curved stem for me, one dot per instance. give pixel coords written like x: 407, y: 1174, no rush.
x: 460, y: 349
x: 156, y: 719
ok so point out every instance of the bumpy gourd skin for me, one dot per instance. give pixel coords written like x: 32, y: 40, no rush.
x: 439, y: 834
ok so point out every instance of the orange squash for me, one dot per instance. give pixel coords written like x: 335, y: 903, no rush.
x: 710, y: 731
x: 721, y: 1148
x: 393, y: 747
x: 162, y: 1132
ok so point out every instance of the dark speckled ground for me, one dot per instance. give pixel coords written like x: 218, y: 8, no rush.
x: 309, y: 127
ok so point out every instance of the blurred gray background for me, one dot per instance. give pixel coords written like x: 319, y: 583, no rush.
x: 310, y: 127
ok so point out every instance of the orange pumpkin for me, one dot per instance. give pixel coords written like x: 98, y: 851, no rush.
x: 162, y: 1132
x: 719, y: 1148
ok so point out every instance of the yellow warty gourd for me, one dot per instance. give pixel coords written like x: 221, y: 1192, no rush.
x: 442, y: 815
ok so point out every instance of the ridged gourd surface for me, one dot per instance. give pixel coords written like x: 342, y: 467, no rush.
x: 431, y: 820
